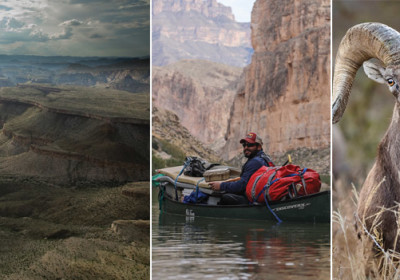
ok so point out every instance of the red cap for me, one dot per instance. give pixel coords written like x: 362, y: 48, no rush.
x: 251, y: 138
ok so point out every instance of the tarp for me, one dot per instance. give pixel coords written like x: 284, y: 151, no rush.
x: 173, y: 172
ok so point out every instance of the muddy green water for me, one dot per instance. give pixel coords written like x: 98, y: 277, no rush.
x: 204, y: 248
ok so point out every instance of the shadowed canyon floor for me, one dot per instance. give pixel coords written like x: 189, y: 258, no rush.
x: 48, y: 232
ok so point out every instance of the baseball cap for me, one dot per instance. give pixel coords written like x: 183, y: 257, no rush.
x: 251, y: 138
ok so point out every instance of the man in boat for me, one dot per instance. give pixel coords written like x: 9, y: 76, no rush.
x: 235, y: 191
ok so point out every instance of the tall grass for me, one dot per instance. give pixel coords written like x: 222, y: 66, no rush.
x: 356, y: 251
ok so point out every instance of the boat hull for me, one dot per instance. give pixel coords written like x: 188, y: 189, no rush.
x: 313, y: 208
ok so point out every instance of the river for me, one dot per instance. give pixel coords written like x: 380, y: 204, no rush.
x: 204, y: 248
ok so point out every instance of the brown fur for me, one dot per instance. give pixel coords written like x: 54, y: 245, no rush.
x: 381, y: 189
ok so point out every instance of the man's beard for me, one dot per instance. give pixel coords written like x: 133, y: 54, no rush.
x: 252, y: 154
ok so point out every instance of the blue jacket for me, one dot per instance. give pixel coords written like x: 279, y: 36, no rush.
x: 248, y: 169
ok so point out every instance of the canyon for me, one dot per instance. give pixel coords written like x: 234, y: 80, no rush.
x: 197, y: 29
x: 74, y: 167
x: 129, y: 74
x: 73, y: 135
x: 282, y: 93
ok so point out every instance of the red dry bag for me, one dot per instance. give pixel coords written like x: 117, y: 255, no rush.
x: 278, y: 183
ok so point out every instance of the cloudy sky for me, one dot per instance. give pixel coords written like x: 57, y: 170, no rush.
x: 240, y: 8
x: 75, y: 27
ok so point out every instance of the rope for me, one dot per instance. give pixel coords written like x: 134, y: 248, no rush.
x: 187, y: 162
x: 270, y: 209
x: 197, y: 188
x: 266, y: 188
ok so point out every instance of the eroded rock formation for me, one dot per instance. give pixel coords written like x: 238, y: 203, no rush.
x: 85, y: 142
x: 198, y: 29
x: 200, y: 93
x: 129, y: 74
x: 286, y: 97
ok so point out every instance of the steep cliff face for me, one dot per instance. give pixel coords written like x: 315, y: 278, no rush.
x: 200, y: 93
x: 198, y: 29
x: 286, y: 97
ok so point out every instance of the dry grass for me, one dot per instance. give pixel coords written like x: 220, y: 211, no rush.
x: 353, y: 257
x: 48, y: 232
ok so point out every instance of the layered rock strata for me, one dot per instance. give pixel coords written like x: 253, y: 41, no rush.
x: 197, y: 29
x: 82, y: 143
x: 286, y: 97
x: 200, y: 93
x: 129, y: 74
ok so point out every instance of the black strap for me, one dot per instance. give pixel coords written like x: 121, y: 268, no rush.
x: 212, y: 165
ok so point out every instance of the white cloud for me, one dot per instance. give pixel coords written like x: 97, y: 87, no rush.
x: 71, y: 22
x: 75, y: 27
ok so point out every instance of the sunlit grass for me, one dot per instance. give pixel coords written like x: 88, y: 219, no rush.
x: 357, y: 252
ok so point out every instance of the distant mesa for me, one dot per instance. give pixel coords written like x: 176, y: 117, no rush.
x: 129, y: 74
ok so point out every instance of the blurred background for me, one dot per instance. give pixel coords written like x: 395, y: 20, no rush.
x: 369, y: 111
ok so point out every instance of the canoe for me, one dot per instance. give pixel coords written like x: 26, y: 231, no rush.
x: 314, y: 208
x: 173, y: 186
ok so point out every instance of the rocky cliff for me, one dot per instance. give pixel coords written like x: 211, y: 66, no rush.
x: 286, y: 96
x: 74, y: 135
x: 198, y: 29
x: 200, y: 93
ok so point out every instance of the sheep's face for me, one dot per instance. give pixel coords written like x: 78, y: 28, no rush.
x: 389, y: 75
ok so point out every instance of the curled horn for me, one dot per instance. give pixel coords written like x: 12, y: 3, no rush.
x: 361, y: 42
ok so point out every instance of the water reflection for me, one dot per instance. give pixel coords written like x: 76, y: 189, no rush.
x: 204, y: 248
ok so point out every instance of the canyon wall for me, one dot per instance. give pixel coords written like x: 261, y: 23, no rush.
x: 200, y: 93
x: 286, y: 96
x: 198, y: 29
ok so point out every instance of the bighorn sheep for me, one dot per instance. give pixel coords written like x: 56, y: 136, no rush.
x: 381, y: 189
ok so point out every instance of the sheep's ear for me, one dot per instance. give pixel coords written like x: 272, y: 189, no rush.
x: 374, y: 70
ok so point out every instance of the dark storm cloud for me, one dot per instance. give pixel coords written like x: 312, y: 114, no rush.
x: 96, y: 36
x: 75, y: 27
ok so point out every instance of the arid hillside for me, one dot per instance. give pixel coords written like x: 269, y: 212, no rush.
x: 74, y: 135
x: 49, y: 232
x: 172, y: 142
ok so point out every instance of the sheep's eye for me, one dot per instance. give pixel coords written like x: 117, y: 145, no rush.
x: 390, y: 82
